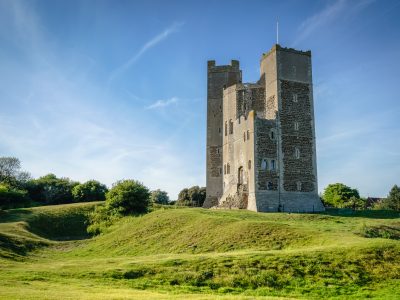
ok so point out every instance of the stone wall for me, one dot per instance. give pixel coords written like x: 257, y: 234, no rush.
x: 298, y: 172
x: 218, y: 77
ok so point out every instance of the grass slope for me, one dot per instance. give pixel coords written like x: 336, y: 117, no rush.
x: 199, y: 254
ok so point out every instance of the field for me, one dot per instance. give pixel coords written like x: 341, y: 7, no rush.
x: 193, y: 253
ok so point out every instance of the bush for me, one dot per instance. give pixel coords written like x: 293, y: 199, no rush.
x: 341, y: 196
x: 12, y: 198
x: 127, y: 197
x: 91, y: 190
x: 100, y: 219
x: 159, y: 197
x: 51, y: 190
x: 194, y: 196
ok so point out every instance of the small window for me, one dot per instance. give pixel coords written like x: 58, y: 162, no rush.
x: 230, y: 127
x: 228, y: 169
x: 219, y: 129
x: 224, y: 169
x: 296, y: 126
x: 269, y: 185
x: 273, y: 164
x: 226, y: 128
x: 264, y: 164
x: 248, y: 135
x: 272, y: 134
x: 220, y: 171
x: 298, y: 185
x: 217, y: 150
x: 295, y: 98
x: 249, y: 164
x: 297, y: 153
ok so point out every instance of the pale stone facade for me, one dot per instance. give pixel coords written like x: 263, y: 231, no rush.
x: 261, y: 136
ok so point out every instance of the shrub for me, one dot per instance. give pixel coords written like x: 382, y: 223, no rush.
x: 12, y: 198
x: 159, y: 197
x: 51, y: 190
x: 127, y: 197
x: 340, y: 196
x: 100, y: 219
x: 91, y: 190
x: 194, y: 196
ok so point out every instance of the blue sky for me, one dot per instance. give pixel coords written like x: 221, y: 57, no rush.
x: 109, y: 90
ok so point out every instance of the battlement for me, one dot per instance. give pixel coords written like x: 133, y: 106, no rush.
x: 277, y: 47
x: 234, y: 66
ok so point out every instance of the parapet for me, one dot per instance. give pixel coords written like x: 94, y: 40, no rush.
x: 277, y: 47
x: 233, y: 66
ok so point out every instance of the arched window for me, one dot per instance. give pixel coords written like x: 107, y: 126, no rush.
x: 298, y: 185
x: 264, y: 164
x: 230, y: 127
x: 249, y: 164
x: 297, y: 153
x: 226, y: 128
x: 228, y: 168
x: 273, y: 164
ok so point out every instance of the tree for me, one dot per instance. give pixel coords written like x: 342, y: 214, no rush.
x: 9, y: 169
x: 91, y: 190
x: 159, y: 197
x: 11, y: 197
x: 339, y: 195
x: 393, y: 199
x: 194, y: 196
x: 51, y: 190
x: 128, y: 196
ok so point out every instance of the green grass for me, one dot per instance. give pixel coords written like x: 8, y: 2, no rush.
x: 200, y: 254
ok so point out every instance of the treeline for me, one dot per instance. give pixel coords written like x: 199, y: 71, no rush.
x: 19, y: 189
x: 339, y: 195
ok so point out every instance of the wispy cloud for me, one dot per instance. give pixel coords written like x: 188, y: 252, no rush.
x: 150, y: 44
x: 163, y: 103
x: 326, y: 16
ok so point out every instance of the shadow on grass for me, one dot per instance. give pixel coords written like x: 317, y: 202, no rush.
x: 370, y: 214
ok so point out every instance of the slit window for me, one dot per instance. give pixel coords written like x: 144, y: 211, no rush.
x: 249, y: 164
x: 230, y: 127
x: 273, y: 164
x: 296, y: 126
x: 244, y: 136
x: 295, y: 98
x: 228, y: 169
x: 297, y: 153
x: 225, y: 169
x: 248, y: 134
x: 298, y: 185
x: 226, y: 128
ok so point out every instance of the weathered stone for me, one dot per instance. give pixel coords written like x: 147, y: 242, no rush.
x: 261, y: 136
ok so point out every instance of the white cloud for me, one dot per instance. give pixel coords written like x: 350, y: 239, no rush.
x: 150, y: 44
x: 338, y: 9
x: 163, y: 103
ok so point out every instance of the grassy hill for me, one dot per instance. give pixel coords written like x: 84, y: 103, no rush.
x: 200, y: 254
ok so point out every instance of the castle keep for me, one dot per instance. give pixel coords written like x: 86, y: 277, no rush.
x: 261, y: 136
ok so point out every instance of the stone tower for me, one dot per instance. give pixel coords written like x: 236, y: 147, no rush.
x: 261, y: 136
x: 218, y: 77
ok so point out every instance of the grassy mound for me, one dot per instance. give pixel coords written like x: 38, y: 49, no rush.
x: 26, y: 229
x: 201, y: 254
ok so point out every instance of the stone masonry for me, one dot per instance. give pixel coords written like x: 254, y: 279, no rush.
x: 261, y: 136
